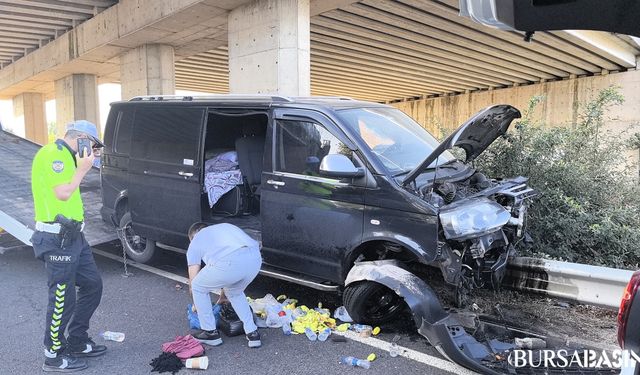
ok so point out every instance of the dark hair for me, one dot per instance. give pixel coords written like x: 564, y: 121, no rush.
x: 195, y: 228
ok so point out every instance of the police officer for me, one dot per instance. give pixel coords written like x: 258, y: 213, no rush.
x: 58, y: 240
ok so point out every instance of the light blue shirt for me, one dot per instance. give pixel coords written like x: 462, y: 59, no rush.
x: 217, y: 241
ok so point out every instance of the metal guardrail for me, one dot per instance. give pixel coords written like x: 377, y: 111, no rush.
x: 583, y: 283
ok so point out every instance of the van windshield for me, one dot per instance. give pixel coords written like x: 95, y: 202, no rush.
x: 398, y: 142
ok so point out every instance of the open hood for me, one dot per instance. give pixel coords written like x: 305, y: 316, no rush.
x: 474, y: 136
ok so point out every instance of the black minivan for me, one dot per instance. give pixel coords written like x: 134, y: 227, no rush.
x: 322, y: 182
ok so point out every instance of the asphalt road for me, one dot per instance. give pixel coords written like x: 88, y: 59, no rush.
x: 151, y: 309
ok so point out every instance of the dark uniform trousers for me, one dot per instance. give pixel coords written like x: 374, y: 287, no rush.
x: 67, y: 267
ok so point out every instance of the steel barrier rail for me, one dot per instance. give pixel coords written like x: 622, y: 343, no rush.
x: 583, y: 283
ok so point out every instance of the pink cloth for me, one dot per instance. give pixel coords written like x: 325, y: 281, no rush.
x: 184, y: 347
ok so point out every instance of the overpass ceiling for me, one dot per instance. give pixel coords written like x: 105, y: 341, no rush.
x: 385, y: 50
x: 26, y: 25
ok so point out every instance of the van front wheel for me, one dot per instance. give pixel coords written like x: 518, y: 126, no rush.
x: 137, y: 248
x: 372, y: 303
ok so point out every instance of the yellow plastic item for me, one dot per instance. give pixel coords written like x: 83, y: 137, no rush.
x: 343, y: 327
x: 372, y: 357
x: 375, y: 331
x: 281, y: 297
x: 304, y: 308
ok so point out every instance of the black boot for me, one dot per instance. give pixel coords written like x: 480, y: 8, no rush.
x: 86, y: 348
x: 59, y: 362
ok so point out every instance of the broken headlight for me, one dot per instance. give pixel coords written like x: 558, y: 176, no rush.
x: 473, y: 219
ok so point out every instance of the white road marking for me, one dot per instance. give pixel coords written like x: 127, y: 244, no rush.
x: 415, y: 355
x: 381, y: 345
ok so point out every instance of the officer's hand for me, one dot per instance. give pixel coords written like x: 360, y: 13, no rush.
x: 85, y: 163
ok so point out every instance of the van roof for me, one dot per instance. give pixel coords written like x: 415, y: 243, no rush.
x: 335, y: 102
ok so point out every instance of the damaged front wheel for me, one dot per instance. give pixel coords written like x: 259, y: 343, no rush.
x: 372, y: 303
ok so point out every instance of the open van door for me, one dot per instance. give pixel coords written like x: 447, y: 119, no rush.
x: 309, y: 219
x: 165, y: 182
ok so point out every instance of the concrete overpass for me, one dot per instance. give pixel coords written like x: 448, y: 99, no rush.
x: 419, y: 54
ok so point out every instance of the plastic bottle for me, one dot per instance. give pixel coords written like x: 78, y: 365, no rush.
x: 286, y: 324
x: 394, y: 350
x: 298, y: 312
x: 324, y: 334
x: 351, y: 361
x: 273, y: 317
x: 216, y: 311
x: 360, y: 327
x: 342, y: 315
x: 310, y: 334
x: 112, y: 336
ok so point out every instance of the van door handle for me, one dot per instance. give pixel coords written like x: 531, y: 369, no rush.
x: 276, y: 183
x: 185, y: 174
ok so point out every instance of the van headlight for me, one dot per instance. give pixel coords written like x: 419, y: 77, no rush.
x: 473, y: 219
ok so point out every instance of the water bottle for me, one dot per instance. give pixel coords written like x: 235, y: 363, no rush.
x: 112, y: 336
x: 361, y: 327
x: 351, y: 361
x: 298, y: 312
x: 273, y: 318
x: 310, y: 334
x: 322, y: 336
x: 286, y: 325
x: 342, y: 315
x: 217, y: 308
x: 394, y: 351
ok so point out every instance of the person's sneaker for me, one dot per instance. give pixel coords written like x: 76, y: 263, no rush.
x: 254, y: 339
x: 86, y: 349
x: 63, y: 363
x: 209, y: 337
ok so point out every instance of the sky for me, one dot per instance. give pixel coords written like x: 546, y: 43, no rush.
x: 107, y: 93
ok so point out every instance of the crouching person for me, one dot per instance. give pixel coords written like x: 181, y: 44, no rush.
x: 232, y: 260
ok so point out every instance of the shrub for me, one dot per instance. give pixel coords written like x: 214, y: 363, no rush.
x: 588, y: 209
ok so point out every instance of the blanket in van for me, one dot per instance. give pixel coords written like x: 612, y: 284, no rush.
x: 221, y: 175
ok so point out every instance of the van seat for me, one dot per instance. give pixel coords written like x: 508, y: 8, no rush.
x: 250, y: 151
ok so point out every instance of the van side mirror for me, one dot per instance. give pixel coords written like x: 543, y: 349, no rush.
x: 340, y: 166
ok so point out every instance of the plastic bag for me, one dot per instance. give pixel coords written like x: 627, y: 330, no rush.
x: 194, y: 322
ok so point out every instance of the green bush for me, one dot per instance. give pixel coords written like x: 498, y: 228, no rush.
x: 588, y: 210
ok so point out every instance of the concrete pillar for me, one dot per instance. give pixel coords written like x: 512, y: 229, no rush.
x: 29, y: 111
x: 76, y: 99
x: 147, y: 70
x: 269, y: 48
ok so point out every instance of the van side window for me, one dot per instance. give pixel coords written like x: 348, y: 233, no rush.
x: 170, y: 135
x: 123, y: 132
x: 301, y: 145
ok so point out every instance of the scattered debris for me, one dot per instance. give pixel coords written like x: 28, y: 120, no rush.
x: 530, y: 343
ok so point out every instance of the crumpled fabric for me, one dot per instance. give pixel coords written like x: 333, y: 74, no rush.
x: 184, y: 347
x: 166, y: 362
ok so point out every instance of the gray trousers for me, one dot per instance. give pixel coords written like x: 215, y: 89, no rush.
x: 68, y: 267
x: 232, y: 273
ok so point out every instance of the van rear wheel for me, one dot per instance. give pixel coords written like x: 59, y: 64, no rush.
x: 372, y: 303
x: 137, y: 248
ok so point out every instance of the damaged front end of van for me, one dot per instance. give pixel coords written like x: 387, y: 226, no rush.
x: 480, y: 222
x: 481, y: 219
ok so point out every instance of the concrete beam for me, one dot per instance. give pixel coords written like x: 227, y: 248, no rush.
x: 76, y: 99
x: 29, y: 111
x: 94, y: 47
x: 606, y: 45
x: 147, y: 70
x: 269, y: 48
